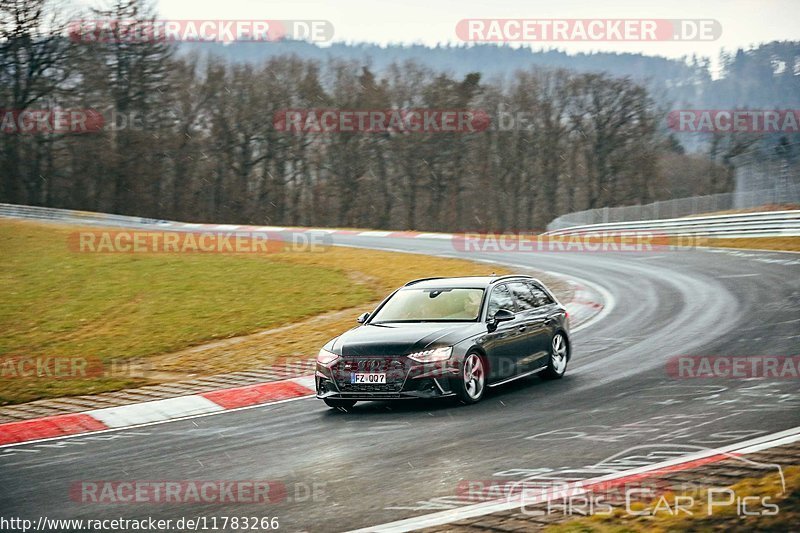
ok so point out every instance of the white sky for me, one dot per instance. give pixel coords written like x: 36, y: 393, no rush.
x: 744, y: 22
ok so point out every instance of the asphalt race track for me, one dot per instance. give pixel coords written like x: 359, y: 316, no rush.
x: 384, y: 462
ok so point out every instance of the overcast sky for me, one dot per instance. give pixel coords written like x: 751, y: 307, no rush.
x: 744, y: 22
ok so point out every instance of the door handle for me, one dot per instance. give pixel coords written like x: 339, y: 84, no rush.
x: 522, y: 329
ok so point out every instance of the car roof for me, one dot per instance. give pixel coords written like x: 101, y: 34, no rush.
x: 466, y: 281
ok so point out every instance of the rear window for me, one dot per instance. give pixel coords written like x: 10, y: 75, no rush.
x: 525, y: 298
x: 540, y: 296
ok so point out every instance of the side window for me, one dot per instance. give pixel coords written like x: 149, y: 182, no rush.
x: 540, y: 296
x: 523, y: 295
x: 501, y: 299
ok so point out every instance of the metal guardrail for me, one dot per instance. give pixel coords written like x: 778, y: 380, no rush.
x: 679, y: 207
x: 762, y: 224
x: 52, y: 213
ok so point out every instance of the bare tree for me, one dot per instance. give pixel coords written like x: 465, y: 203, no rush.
x: 33, y: 66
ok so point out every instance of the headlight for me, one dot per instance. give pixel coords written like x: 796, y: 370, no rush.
x: 324, y: 357
x: 431, y: 356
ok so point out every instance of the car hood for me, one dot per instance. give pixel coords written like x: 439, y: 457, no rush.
x: 402, y: 338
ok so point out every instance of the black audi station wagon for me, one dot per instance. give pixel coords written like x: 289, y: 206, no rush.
x: 447, y: 337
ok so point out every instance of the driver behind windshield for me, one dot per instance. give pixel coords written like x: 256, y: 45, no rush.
x: 422, y: 305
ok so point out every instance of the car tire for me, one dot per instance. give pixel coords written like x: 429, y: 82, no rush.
x: 559, y: 357
x: 335, y: 403
x: 470, y: 388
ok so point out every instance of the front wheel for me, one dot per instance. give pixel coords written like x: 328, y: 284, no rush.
x: 472, y: 383
x: 559, y: 355
x: 339, y: 404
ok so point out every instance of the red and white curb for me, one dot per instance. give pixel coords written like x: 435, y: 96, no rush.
x: 590, y: 302
x: 137, y: 414
x: 518, y: 499
x: 584, y: 305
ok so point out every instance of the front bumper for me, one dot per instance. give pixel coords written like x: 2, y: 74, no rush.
x: 405, y: 379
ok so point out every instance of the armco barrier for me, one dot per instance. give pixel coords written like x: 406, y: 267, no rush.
x: 50, y: 213
x: 765, y: 224
x: 680, y: 207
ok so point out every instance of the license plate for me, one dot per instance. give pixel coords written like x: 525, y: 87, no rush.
x: 368, y: 379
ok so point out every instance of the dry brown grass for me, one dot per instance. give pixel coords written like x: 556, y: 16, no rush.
x: 789, y: 244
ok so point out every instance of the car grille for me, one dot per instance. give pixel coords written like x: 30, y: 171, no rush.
x: 395, y: 370
x: 363, y: 387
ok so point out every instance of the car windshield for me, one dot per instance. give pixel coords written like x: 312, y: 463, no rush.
x: 429, y: 305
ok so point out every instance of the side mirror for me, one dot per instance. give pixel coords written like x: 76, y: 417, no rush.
x: 502, y: 315
x: 362, y: 318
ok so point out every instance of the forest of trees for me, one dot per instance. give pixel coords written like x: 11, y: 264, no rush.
x: 188, y: 136
x: 767, y: 75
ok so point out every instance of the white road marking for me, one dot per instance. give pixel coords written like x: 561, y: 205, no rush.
x: 515, y: 501
x: 156, y: 411
x: 268, y: 228
x: 308, y: 382
x: 434, y: 236
x: 374, y: 234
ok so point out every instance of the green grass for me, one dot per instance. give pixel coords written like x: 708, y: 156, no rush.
x: 120, y: 305
x: 58, y: 302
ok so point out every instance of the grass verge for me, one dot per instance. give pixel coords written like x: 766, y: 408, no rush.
x: 787, y: 244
